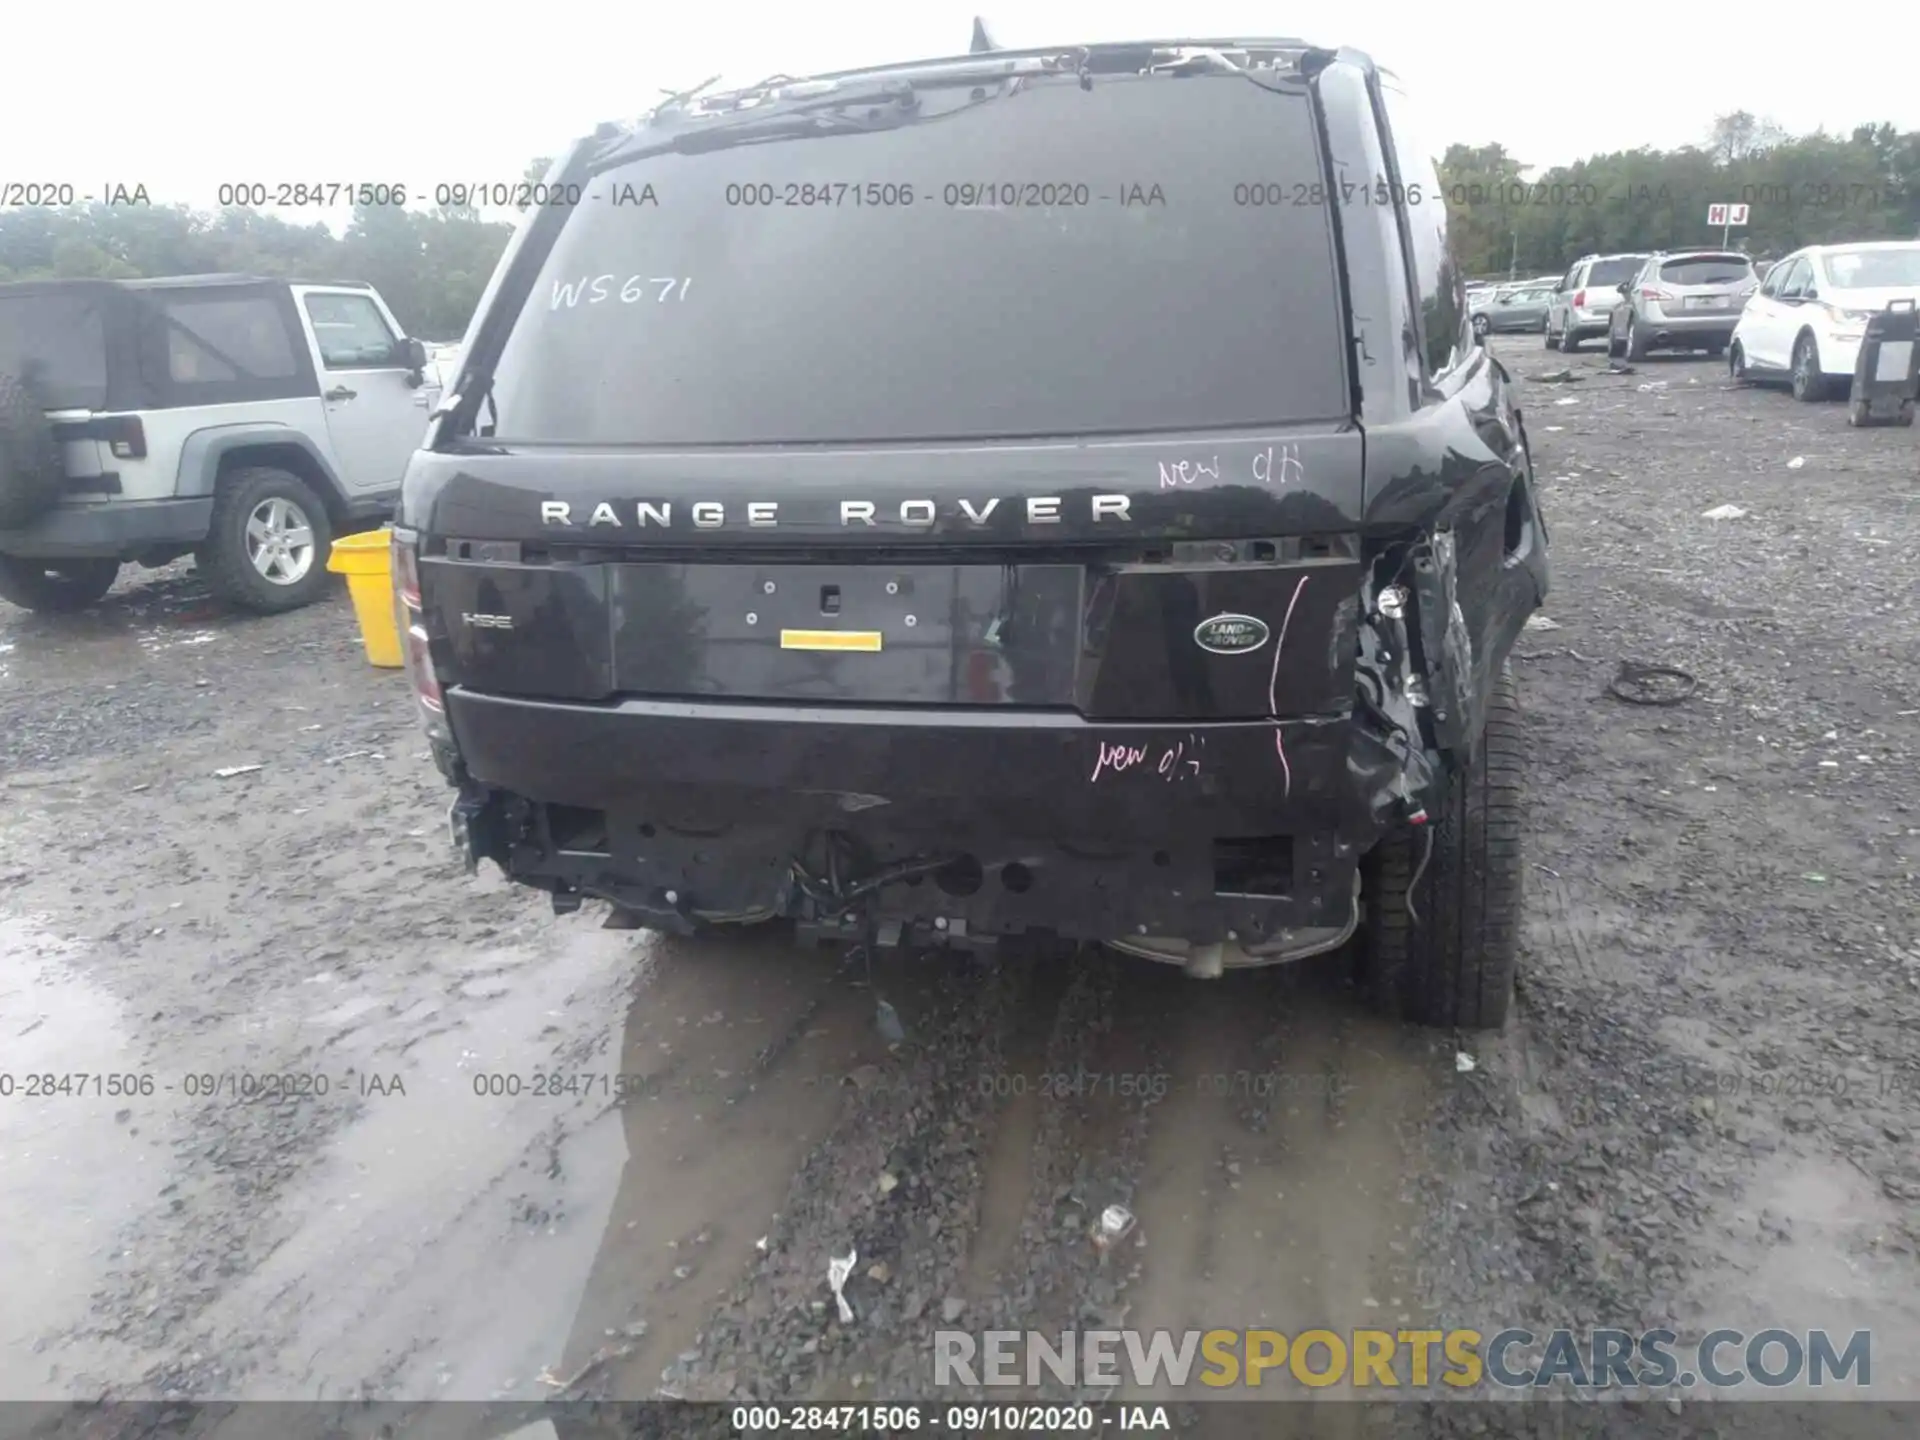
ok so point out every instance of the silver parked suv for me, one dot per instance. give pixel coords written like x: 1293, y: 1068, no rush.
x: 1686, y: 300
x: 1583, y: 305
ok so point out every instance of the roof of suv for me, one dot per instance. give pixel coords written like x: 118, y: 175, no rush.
x: 1108, y: 57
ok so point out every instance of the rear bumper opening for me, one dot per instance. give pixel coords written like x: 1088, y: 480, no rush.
x: 1692, y: 327
x: 949, y: 826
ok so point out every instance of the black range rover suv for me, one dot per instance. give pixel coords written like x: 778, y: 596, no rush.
x: 1048, y: 493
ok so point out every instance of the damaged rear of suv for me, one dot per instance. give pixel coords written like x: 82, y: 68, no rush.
x: 1047, y: 493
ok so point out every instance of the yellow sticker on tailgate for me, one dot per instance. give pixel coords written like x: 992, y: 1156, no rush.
x: 868, y: 640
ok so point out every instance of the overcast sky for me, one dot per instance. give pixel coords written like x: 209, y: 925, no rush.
x: 183, y: 96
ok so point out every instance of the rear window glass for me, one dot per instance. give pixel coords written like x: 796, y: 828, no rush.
x: 1615, y: 272
x: 67, y: 335
x: 1874, y: 269
x: 1707, y: 270
x: 224, y: 341
x: 1046, y: 262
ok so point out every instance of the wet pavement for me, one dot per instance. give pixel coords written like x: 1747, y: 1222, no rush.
x: 321, y: 1116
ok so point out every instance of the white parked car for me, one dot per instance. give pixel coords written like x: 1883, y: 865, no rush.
x: 1805, y: 323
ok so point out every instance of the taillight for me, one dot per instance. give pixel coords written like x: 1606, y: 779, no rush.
x: 124, y: 435
x: 1580, y: 300
x: 412, y: 620
x: 1659, y: 295
x: 406, y: 570
x: 426, y: 685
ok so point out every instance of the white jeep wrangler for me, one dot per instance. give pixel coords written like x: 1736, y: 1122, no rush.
x: 244, y: 421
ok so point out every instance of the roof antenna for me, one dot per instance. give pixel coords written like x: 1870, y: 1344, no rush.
x: 982, y: 41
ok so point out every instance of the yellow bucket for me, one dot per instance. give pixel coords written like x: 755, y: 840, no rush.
x: 367, y: 562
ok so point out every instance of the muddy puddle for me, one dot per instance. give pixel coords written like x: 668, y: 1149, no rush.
x: 75, y: 1108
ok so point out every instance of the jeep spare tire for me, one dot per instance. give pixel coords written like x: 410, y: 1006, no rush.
x: 31, y: 473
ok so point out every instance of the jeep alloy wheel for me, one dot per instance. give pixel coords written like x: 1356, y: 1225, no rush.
x: 267, y: 544
x: 280, y: 541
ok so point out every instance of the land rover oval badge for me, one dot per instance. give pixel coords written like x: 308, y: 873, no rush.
x: 1231, y: 634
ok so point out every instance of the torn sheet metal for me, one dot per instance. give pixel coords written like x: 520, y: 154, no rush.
x: 1388, y: 760
x: 1446, y: 646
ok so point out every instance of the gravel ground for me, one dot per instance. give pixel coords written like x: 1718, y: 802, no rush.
x: 1703, y: 1113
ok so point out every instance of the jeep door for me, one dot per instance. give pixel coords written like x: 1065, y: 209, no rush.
x: 376, y: 412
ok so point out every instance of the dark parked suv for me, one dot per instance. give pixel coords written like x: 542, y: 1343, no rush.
x: 1047, y: 493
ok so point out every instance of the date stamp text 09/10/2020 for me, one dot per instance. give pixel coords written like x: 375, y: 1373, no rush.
x: 1710, y: 1086
x: 1054, y: 194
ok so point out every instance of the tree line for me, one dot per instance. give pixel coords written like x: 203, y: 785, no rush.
x: 1799, y: 190
x: 432, y: 264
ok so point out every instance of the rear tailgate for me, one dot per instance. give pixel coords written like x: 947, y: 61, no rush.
x: 58, y: 334
x: 1074, y: 588
x: 1703, y: 284
x: 1061, y: 424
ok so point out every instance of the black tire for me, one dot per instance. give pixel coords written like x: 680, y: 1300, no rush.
x: 1737, y: 365
x: 1636, y: 341
x: 1809, y: 381
x: 1546, y: 332
x: 1450, y: 959
x: 1716, y: 350
x: 226, y: 559
x: 31, y: 472
x: 55, y: 587
x: 1569, y: 339
x: 1613, y: 345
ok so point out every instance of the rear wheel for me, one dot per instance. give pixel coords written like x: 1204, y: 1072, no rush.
x: 55, y: 587
x: 1737, y: 364
x: 1569, y: 339
x: 1809, y: 381
x: 1442, y: 901
x: 267, y: 546
x: 1636, y: 341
